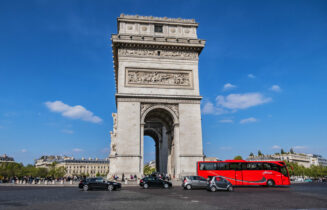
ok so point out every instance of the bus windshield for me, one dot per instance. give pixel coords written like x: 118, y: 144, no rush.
x: 284, y: 171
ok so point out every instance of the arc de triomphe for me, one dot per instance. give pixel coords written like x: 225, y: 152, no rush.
x: 157, y: 94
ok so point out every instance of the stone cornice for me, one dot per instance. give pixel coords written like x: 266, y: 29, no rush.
x: 158, y: 98
x: 151, y: 19
x: 155, y: 42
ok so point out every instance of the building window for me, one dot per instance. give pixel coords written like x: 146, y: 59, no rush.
x: 158, y: 28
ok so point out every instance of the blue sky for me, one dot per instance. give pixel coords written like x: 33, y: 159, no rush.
x: 262, y: 75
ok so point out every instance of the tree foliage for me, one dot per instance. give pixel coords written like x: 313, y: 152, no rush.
x: 291, y: 151
x: 19, y: 170
x: 238, y: 157
x: 259, y: 153
x: 148, y: 170
x: 295, y: 169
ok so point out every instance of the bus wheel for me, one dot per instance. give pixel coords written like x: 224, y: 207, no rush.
x: 270, y: 183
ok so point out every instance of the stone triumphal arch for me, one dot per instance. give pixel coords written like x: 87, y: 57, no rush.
x: 157, y: 95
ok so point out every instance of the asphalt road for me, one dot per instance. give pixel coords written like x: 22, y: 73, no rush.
x: 298, y: 196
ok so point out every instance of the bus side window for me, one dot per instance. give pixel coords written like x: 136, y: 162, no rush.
x: 208, y: 166
x: 252, y: 166
x: 260, y: 166
x: 222, y: 166
x: 243, y: 166
x: 202, y: 167
x: 266, y: 166
x: 234, y: 166
x: 275, y: 167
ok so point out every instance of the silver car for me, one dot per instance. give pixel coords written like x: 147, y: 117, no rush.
x: 190, y: 182
x: 219, y: 183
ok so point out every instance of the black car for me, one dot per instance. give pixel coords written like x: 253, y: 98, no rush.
x: 98, y: 183
x: 152, y: 181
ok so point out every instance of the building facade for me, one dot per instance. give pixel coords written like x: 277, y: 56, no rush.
x: 75, y: 167
x: 157, y: 95
x: 306, y: 160
x: 6, y: 159
x: 88, y: 167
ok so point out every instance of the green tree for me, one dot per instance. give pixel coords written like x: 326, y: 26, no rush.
x: 282, y: 151
x: 251, y: 154
x: 238, y: 157
x: 98, y: 174
x: 59, y: 172
x: 42, y: 172
x: 291, y: 151
x: 259, y: 153
x: 148, y: 170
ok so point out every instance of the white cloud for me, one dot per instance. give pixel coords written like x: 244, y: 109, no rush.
x: 276, y: 147
x: 23, y: 150
x: 241, y: 101
x: 67, y: 131
x: 74, y: 112
x: 228, y: 86
x: 248, y: 120
x: 251, y: 76
x: 210, y: 108
x: 77, y: 150
x: 275, y: 88
x: 300, y: 147
x: 226, y: 121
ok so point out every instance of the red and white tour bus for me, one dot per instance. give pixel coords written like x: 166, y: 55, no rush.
x: 241, y: 172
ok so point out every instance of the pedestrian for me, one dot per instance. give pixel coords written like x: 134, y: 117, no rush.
x: 123, y: 177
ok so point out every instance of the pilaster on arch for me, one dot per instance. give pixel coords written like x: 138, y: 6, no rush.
x: 172, y: 109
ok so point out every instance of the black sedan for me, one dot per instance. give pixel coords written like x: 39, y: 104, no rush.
x: 97, y: 184
x: 152, y: 181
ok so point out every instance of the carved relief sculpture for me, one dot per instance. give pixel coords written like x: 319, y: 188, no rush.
x: 168, y: 78
x: 113, y: 134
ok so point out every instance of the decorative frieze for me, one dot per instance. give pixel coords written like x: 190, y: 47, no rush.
x: 172, y: 54
x: 159, y: 78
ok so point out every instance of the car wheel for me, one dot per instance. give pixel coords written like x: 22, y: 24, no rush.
x: 230, y: 189
x: 270, y: 183
x: 166, y: 186
x: 145, y: 186
x: 189, y: 187
x: 213, y: 189
x: 110, y: 187
x: 85, y: 187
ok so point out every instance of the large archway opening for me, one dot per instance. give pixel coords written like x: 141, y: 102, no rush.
x: 159, y: 125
